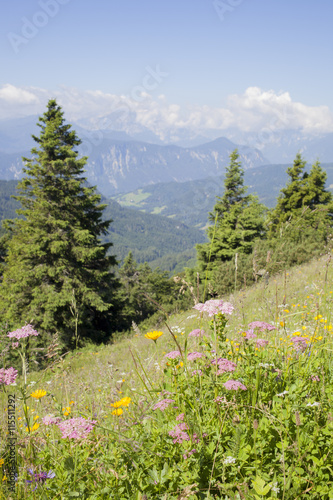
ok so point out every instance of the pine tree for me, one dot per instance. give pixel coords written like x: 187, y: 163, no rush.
x: 303, y: 193
x: 57, y: 273
x: 238, y: 219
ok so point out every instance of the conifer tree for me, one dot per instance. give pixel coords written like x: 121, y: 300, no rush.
x: 238, y: 219
x: 57, y: 274
x: 302, y: 190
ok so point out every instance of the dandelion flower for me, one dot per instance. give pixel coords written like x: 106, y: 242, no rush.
x: 118, y: 412
x: 38, y: 394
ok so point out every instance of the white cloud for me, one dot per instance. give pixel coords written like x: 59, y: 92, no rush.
x: 252, y: 111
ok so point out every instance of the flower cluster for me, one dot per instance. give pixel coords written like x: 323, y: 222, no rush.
x: 224, y: 365
x: 76, y: 428
x: 197, y: 333
x: 194, y: 355
x: 299, y: 343
x: 249, y: 335
x: 234, y: 385
x: 214, y: 306
x: 261, y: 342
x: 39, y: 478
x: 8, y: 376
x: 25, y: 331
x: 172, y: 355
x: 261, y: 325
x: 189, y: 453
x: 179, y: 433
x: 163, y: 404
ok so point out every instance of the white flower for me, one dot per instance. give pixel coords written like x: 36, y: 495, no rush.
x: 275, y: 488
x: 266, y: 365
x: 282, y: 393
x: 229, y: 460
x: 32, y: 383
x: 313, y: 404
x: 49, y: 381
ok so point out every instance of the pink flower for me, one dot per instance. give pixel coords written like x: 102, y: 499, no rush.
x: 315, y: 378
x: 180, y: 417
x: 234, y: 385
x: 189, y: 453
x: 194, y: 355
x: 261, y: 325
x: 212, y: 307
x: 25, y: 331
x: 196, y: 333
x: 196, y: 372
x: 51, y: 420
x: 179, y: 434
x: 15, y: 344
x: 250, y: 335
x: 8, y: 376
x: 300, y: 343
x: 163, y: 404
x: 261, y: 342
x: 76, y: 428
x: 172, y: 355
x: 224, y: 365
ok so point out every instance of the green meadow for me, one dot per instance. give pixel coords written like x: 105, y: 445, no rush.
x: 225, y: 412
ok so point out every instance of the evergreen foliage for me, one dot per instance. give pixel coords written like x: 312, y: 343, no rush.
x: 57, y: 275
x: 238, y: 219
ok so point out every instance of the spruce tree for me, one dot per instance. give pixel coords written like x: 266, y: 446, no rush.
x: 57, y: 274
x: 238, y: 219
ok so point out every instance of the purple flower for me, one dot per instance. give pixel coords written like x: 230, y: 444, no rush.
x: 51, y: 420
x: 196, y: 372
x: 220, y: 400
x: 25, y: 331
x: 76, y: 428
x: 172, y: 355
x: 196, y: 333
x: 214, y: 306
x: 8, y: 376
x: 194, y: 355
x: 300, y: 343
x: 234, y: 385
x: 39, y: 477
x: 163, y: 404
x: 261, y: 325
x: 261, y: 342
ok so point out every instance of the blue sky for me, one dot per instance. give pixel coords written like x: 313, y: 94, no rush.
x: 207, y: 50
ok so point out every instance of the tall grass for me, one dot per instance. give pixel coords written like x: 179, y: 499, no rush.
x: 172, y: 427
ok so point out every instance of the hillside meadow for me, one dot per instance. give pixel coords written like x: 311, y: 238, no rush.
x: 230, y: 400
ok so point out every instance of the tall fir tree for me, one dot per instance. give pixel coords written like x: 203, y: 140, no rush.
x: 238, y: 219
x: 57, y: 274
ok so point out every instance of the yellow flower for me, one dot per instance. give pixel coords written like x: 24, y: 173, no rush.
x: 38, y: 394
x: 1, y: 461
x: 117, y: 412
x: 33, y: 428
x: 125, y: 401
x: 281, y: 323
x: 153, y: 335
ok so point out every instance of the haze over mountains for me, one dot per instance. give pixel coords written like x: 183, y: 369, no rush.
x: 119, y: 162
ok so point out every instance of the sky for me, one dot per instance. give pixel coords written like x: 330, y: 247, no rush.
x: 180, y: 63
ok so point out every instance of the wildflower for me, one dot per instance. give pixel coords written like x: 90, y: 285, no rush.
x: 179, y: 434
x: 196, y: 333
x: 261, y: 342
x: 172, y: 355
x: 76, y: 428
x: 25, y: 331
x: 261, y: 325
x: 220, y: 400
x: 40, y: 477
x: 118, y: 411
x: 122, y: 402
x: 234, y: 385
x: 313, y: 404
x: 249, y: 334
x: 266, y: 365
x: 33, y: 428
x: 163, y: 404
x: 275, y: 488
x: 38, y: 394
x: 229, y: 460
x: 153, y: 335
x: 1, y: 461
x: 299, y: 343
x: 196, y: 372
x: 8, y: 376
x: 189, y: 453
x: 180, y: 417
x: 315, y: 378
x: 51, y: 420
x: 15, y: 344
x: 214, y: 306
x: 224, y: 365
x: 194, y: 355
